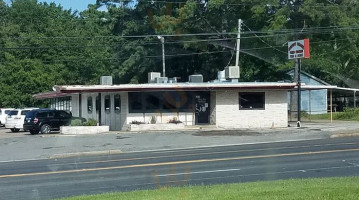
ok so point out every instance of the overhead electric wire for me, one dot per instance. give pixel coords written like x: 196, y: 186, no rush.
x: 274, y: 33
x: 168, y: 55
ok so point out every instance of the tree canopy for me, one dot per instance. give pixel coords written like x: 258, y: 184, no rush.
x: 43, y: 44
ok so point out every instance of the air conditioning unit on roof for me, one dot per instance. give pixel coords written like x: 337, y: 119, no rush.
x: 197, y: 78
x: 161, y: 79
x: 152, y: 76
x: 232, y: 72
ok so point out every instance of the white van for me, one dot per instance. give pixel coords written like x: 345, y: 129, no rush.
x: 3, y: 114
x: 15, y: 119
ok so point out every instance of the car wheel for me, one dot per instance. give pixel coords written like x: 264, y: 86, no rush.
x: 15, y: 130
x: 45, y: 129
x: 34, y: 132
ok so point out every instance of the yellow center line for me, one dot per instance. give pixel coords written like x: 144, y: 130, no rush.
x: 177, y: 162
x: 197, y: 154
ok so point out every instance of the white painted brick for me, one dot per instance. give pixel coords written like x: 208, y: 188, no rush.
x: 228, y: 114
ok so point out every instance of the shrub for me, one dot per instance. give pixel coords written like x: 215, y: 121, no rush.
x: 137, y: 122
x: 76, y: 122
x: 153, y: 120
x: 174, y: 121
x: 90, y: 122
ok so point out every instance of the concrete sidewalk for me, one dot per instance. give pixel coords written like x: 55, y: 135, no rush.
x: 22, y: 146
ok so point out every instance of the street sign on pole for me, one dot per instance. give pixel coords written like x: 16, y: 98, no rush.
x: 298, y: 49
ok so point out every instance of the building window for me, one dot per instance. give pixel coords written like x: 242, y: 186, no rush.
x: 61, y: 103
x: 107, y: 103
x: 164, y: 102
x: 89, y: 104
x: 152, y: 102
x: 135, y: 104
x: 251, y: 100
x: 117, y: 102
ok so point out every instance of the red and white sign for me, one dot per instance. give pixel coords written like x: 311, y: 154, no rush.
x: 298, y: 49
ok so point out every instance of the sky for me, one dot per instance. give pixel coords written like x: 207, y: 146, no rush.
x: 79, y: 5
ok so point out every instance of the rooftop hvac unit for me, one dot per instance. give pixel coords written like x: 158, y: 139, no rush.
x: 161, y: 80
x: 197, y: 78
x: 172, y: 80
x: 232, y: 72
x: 106, y: 80
x: 152, y: 76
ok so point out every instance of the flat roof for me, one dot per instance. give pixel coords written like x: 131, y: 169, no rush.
x: 65, y: 90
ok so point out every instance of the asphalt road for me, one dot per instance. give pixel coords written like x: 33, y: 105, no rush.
x: 54, y: 178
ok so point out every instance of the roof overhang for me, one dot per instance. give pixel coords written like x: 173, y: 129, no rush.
x: 48, y: 95
x: 173, y: 87
x: 66, y: 90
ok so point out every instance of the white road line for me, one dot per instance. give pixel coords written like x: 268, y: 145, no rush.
x: 199, y: 172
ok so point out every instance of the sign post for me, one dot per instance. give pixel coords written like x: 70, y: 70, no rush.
x: 297, y: 50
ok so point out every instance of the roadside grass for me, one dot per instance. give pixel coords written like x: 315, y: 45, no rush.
x: 343, y: 188
x: 350, y: 114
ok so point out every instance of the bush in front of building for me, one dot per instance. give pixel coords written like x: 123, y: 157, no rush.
x: 90, y: 122
x: 79, y: 122
x: 76, y: 122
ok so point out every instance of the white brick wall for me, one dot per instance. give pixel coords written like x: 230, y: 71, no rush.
x: 228, y: 114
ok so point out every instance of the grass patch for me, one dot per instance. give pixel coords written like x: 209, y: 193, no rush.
x: 349, y: 114
x: 345, y: 188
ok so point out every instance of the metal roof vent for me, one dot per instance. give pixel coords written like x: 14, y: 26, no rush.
x: 106, y: 80
x: 152, y: 76
x: 161, y: 80
x: 196, y: 78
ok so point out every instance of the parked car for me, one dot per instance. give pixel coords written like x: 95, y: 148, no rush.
x: 3, y: 113
x: 15, y: 119
x: 46, y: 120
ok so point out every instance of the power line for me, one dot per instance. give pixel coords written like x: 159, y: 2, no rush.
x: 280, y: 32
x: 176, y: 55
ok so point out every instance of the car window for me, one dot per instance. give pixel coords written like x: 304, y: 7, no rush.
x: 42, y: 114
x: 23, y: 112
x: 13, y: 112
x: 7, y: 111
x: 0, y: 112
x: 63, y: 114
x: 31, y: 114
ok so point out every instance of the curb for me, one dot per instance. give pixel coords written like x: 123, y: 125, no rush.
x: 90, y: 153
x: 340, y: 135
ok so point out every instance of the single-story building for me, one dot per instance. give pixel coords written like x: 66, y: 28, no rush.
x: 225, y: 104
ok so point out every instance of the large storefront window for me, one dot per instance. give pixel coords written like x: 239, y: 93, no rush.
x: 165, y: 102
x: 61, y: 103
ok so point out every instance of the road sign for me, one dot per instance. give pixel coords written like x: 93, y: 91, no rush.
x: 298, y: 49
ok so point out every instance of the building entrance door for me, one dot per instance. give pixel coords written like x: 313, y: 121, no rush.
x: 202, y: 115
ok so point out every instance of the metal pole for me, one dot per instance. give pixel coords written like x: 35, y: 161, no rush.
x: 163, y: 57
x: 238, y: 41
x: 355, y: 103
x: 331, y: 106
x: 310, y: 104
x: 299, y: 93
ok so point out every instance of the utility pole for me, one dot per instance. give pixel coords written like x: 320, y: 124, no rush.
x: 163, y: 55
x: 238, y: 41
x: 298, y: 63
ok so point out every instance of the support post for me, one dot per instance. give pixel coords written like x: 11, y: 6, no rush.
x: 238, y: 41
x: 310, y: 104
x: 299, y: 86
x: 331, y: 106
x: 355, y: 103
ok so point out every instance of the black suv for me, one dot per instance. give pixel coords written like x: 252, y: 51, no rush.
x: 45, y: 120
